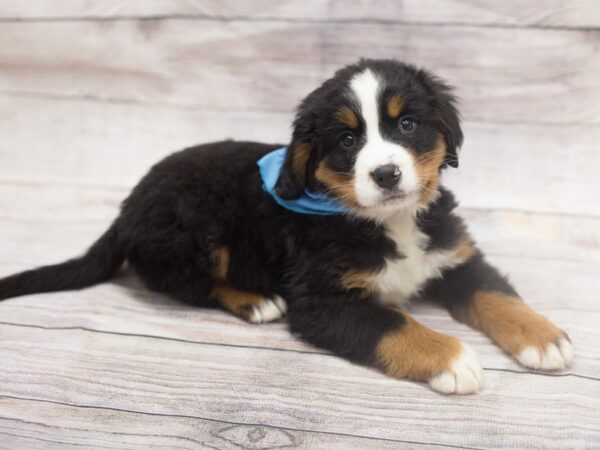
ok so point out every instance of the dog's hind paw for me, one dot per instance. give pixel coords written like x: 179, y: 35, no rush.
x: 268, y: 310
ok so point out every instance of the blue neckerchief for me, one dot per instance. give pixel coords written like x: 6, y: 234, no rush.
x: 308, y: 203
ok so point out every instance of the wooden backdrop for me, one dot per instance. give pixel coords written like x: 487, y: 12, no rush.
x: 93, y: 92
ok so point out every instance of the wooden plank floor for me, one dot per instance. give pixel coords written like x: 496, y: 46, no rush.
x: 91, y: 96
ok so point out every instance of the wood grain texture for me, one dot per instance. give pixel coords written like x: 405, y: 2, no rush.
x: 110, y: 146
x: 122, y: 309
x: 93, y: 93
x: 542, y: 13
x: 216, y: 383
x: 30, y: 423
x: 525, y: 75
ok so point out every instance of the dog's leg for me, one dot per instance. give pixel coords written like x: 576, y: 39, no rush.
x: 250, y: 306
x: 476, y: 294
x: 361, y: 329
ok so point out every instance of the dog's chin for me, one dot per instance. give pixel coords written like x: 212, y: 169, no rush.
x: 389, y: 205
x: 395, y: 198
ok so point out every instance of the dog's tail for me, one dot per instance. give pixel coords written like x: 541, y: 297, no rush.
x: 100, y: 263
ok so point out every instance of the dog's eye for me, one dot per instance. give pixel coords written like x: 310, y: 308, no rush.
x: 408, y: 124
x: 347, y: 140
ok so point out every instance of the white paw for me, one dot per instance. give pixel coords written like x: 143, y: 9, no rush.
x: 464, y: 377
x: 268, y: 310
x: 557, y: 355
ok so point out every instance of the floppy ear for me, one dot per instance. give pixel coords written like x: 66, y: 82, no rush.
x: 444, y: 103
x: 293, y: 176
x: 292, y: 179
x: 450, y: 126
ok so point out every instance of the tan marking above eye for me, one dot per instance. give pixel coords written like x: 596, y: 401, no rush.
x: 394, y: 106
x: 348, y: 117
x: 341, y: 185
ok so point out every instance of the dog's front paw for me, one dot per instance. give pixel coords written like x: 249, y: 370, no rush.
x: 527, y: 336
x: 537, y: 343
x: 414, y: 351
x: 465, y: 375
x: 550, y: 356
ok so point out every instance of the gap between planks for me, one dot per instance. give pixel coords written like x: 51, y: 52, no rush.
x: 307, y: 20
x: 261, y: 347
x: 171, y: 61
x: 263, y: 110
x: 561, y: 14
x: 208, y: 419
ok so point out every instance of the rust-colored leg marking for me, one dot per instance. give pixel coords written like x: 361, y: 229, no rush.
x: 235, y: 301
x: 529, y: 337
x: 419, y: 353
x: 220, y: 259
x: 249, y: 305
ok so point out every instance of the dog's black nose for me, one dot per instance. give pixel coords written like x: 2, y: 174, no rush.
x: 387, y: 176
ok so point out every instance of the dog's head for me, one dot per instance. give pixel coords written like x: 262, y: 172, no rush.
x: 375, y: 136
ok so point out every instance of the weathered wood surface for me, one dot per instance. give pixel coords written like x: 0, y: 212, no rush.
x: 537, y: 13
x: 307, y: 392
x: 33, y: 424
x: 91, y: 96
x: 522, y: 75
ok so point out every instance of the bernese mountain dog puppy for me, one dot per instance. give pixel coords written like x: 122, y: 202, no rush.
x: 337, y: 230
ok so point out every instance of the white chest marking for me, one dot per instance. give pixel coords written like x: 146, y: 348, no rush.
x: 404, y: 277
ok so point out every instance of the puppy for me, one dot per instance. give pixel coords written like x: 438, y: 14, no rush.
x: 338, y: 228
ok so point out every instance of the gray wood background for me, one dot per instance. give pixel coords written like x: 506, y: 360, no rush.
x: 93, y: 93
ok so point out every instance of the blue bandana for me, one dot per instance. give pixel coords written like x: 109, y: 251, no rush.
x: 308, y: 203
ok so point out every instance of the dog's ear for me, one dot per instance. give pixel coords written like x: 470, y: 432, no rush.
x: 294, y: 173
x: 292, y: 179
x: 444, y: 103
x: 450, y: 126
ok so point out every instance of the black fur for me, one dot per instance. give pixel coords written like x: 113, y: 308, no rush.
x: 99, y: 264
x: 210, y: 196
x: 459, y: 285
x: 440, y: 224
x: 346, y: 324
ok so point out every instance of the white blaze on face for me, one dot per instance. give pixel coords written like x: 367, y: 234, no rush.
x: 377, y: 151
